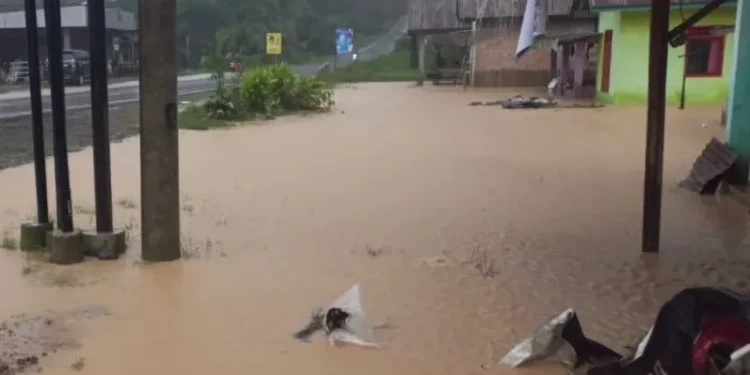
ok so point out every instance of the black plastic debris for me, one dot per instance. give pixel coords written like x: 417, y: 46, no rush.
x: 699, y: 331
x: 710, y: 168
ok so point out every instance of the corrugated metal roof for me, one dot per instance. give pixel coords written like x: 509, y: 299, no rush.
x: 72, y: 16
x: 642, y: 3
x: 448, y: 14
x: 16, y: 5
x: 509, y: 8
x: 433, y: 15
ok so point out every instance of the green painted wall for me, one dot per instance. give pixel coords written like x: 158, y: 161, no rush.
x: 629, y: 70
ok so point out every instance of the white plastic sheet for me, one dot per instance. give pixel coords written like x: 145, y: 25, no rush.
x: 740, y: 364
x: 545, y: 344
x: 358, y: 330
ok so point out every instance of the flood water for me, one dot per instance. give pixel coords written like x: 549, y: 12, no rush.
x: 466, y: 226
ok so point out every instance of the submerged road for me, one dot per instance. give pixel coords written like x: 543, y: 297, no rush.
x: 16, y: 104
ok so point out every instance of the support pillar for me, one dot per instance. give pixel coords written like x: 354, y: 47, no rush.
x: 564, y: 69
x: 657, y: 93
x: 579, y: 65
x: 421, y: 46
x: 34, y: 234
x: 104, y: 242
x: 66, y: 38
x: 57, y: 97
x: 160, y: 179
x: 553, y: 64
x: 473, y: 52
x: 738, y: 110
x: 66, y: 241
x: 414, y: 54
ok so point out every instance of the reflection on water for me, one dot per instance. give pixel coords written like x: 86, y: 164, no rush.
x: 466, y: 226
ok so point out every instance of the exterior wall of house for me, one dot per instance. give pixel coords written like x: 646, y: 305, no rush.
x: 629, y: 69
x: 497, y: 65
x: 496, y: 56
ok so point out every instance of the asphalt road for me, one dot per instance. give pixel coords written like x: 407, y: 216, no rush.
x: 15, y: 116
x: 16, y: 104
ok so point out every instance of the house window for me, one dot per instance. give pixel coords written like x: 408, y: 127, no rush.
x: 704, y: 53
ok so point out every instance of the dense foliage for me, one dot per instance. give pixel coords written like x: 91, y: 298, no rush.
x: 307, y: 25
x: 267, y: 91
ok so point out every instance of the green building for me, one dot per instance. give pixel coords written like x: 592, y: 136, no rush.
x: 704, y: 61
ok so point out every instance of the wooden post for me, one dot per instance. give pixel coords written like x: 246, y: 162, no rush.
x: 552, y: 64
x: 579, y: 65
x: 564, y: 68
x: 657, y: 83
x: 414, y: 53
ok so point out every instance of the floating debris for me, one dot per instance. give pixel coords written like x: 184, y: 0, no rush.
x: 518, y: 102
x: 344, y: 321
x: 699, y: 331
x: 710, y: 168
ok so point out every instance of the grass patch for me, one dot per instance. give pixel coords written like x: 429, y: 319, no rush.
x: 194, y: 118
x: 395, y: 67
x: 192, y: 71
x: 126, y: 203
x: 8, y: 242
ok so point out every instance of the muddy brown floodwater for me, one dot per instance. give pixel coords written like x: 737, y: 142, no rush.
x: 467, y: 227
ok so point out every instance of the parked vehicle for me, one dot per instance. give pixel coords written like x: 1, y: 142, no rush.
x: 75, y: 67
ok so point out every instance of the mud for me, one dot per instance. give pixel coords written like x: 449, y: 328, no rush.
x: 25, y: 339
x: 467, y: 226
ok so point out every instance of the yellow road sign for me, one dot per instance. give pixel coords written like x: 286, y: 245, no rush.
x: 273, y: 43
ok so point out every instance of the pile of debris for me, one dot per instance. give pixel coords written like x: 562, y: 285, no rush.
x: 699, y: 331
x: 521, y: 102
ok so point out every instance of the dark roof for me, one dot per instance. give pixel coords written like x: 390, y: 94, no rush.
x: 508, y: 8
x: 455, y: 14
x: 16, y: 5
x: 432, y: 14
x: 643, y: 3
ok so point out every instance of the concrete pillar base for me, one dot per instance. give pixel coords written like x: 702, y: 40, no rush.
x: 105, y: 246
x: 34, y: 235
x: 66, y: 248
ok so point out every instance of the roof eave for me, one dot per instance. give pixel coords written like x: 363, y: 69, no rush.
x: 636, y: 8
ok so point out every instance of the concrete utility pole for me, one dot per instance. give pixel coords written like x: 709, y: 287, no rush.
x: 657, y: 83
x: 160, y: 178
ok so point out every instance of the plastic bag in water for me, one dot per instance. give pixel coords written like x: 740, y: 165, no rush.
x: 698, y: 331
x: 544, y: 344
x: 357, y: 331
x: 740, y: 364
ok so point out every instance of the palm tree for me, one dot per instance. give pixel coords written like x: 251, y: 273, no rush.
x: 217, y: 60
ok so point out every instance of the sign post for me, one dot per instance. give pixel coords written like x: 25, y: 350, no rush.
x: 273, y: 45
x: 344, y: 44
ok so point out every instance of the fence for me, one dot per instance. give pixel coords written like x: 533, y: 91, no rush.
x: 18, y: 71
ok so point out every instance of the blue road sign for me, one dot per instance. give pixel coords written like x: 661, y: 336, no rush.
x: 344, y: 41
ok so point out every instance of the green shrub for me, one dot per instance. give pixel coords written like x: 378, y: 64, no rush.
x: 275, y: 89
x: 221, y: 104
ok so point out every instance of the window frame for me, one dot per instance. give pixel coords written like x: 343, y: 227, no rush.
x: 704, y: 33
